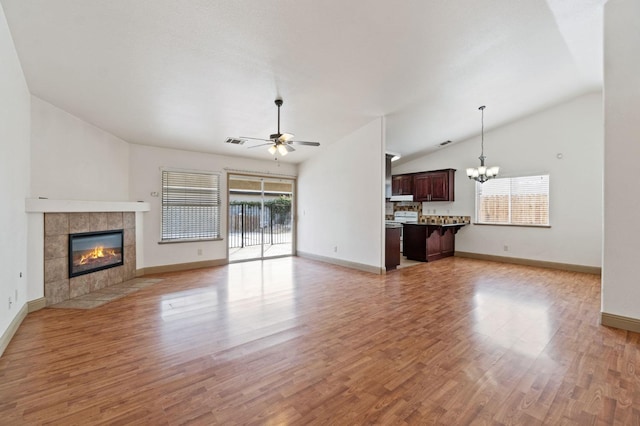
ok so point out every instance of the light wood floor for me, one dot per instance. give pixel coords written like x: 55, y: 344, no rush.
x: 293, y: 341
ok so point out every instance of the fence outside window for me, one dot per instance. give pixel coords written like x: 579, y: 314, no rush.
x: 514, y: 201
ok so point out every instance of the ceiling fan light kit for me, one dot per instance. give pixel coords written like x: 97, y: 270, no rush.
x: 483, y: 173
x: 279, y: 142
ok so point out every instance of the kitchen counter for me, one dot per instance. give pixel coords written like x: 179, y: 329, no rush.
x: 443, y: 225
x: 430, y: 241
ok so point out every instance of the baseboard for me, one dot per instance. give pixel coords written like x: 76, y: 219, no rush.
x: 345, y: 263
x: 617, y: 321
x: 37, y: 304
x: 529, y: 262
x: 180, y: 267
x: 13, y: 327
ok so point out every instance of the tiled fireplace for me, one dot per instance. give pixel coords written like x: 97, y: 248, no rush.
x: 58, y: 286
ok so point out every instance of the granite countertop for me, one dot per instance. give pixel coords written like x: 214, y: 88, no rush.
x: 437, y: 224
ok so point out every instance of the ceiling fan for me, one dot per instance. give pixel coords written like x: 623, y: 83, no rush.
x: 280, y: 142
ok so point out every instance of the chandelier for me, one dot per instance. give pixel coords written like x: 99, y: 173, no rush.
x: 483, y: 173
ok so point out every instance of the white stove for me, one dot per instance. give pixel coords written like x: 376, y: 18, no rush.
x: 405, y: 217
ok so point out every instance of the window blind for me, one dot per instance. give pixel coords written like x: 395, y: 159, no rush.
x: 514, y: 201
x: 190, y: 205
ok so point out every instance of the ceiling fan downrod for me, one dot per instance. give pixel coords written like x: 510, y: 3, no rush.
x: 278, y: 104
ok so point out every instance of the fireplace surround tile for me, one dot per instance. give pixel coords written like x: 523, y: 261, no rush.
x: 57, y: 286
x: 56, y: 292
x: 129, y: 237
x: 56, y: 224
x: 101, y: 279
x: 80, y: 222
x: 56, y: 270
x: 114, y: 220
x: 99, y: 222
x: 56, y: 246
x: 129, y: 219
x: 114, y: 275
x: 95, y: 284
x: 80, y: 285
x: 129, y: 264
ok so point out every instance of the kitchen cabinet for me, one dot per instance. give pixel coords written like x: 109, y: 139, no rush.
x: 402, y: 185
x: 437, y: 185
x: 429, y: 242
x: 392, y: 247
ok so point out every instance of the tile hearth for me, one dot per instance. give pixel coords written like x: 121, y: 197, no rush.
x: 107, y: 294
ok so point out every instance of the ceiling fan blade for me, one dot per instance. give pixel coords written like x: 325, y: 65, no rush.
x: 286, y: 137
x: 289, y: 148
x: 306, y: 143
x: 255, y: 139
x: 262, y: 144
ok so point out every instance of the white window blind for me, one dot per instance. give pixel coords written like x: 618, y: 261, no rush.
x: 513, y: 201
x: 190, y: 205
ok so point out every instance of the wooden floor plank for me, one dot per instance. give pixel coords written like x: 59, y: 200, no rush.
x: 294, y: 341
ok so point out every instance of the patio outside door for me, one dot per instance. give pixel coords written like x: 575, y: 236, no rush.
x: 260, y: 217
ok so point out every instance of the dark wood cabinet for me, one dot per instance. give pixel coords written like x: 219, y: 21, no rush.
x: 429, y: 242
x: 402, y: 185
x: 392, y: 248
x: 437, y: 185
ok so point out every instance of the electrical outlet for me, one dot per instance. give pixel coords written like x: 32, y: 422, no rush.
x: 10, y: 302
x: 199, y: 252
x: 16, y: 297
x: 335, y: 249
x: 506, y: 248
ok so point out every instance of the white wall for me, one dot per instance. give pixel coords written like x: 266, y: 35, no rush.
x: 14, y: 178
x: 74, y: 160
x: 530, y: 146
x: 341, y: 195
x: 146, y: 177
x: 620, y: 284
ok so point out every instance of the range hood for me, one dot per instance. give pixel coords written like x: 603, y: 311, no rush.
x: 401, y: 198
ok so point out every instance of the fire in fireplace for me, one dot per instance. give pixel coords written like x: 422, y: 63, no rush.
x: 94, y: 251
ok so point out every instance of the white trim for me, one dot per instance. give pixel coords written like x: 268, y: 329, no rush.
x: 45, y: 205
x: 255, y: 173
x: 6, y: 337
x: 179, y: 170
x: 347, y: 264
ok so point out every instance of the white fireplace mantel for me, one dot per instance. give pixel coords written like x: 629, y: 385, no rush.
x: 45, y: 205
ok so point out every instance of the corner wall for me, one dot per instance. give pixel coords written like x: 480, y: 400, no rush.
x: 530, y: 146
x: 15, y: 127
x: 341, y: 198
x: 70, y: 160
x: 620, y: 289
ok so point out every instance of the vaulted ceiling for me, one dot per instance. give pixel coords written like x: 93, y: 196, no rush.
x: 188, y: 74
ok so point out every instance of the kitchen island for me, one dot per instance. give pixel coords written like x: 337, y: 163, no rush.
x: 427, y: 241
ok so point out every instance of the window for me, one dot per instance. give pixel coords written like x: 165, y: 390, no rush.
x: 190, y: 206
x: 513, y: 201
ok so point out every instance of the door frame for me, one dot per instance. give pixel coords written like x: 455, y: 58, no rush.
x: 294, y: 206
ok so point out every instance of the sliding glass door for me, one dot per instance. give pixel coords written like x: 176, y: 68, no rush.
x: 260, y: 217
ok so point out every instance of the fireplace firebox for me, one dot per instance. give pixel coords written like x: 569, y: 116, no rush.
x: 94, y: 251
